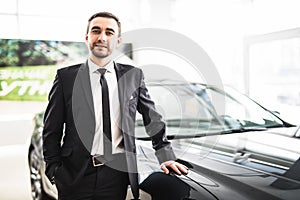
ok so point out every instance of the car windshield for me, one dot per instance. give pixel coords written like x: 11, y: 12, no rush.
x: 193, y: 109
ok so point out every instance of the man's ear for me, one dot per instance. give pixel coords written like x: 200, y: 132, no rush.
x: 86, y: 37
x: 119, y: 40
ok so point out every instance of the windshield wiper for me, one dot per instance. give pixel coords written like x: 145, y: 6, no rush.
x: 207, y: 134
x: 244, y: 129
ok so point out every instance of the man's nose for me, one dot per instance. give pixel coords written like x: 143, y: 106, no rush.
x: 102, y: 37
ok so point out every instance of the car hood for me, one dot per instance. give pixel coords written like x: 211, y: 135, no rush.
x: 285, y: 131
x: 225, y: 180
x: 214, y: 176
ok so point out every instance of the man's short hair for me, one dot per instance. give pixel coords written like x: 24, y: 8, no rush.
x: 105, y: 15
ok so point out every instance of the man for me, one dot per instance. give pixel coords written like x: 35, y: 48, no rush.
x: 88, y: 137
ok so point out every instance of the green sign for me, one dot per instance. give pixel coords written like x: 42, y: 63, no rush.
x: 26, y: 83
x: 28, y: 67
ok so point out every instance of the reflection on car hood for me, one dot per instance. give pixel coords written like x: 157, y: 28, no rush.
x: 231, y: 181
x: 214, y: 176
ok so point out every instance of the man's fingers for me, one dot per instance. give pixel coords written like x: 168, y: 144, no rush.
x: 165, y: 169
x: 182, y: 168
x: 175, y: 166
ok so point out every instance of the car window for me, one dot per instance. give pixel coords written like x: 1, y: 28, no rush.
x: 194, y: 108
x: 244, y: 111
x: 182, y: 109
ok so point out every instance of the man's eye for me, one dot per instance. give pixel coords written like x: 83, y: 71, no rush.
x: 109, y: 33
x: 95, y: 31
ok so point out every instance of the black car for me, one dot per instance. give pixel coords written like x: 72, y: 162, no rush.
x: 234, y: 148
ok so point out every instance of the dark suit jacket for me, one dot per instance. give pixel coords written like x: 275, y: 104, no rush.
x: 69, y: 122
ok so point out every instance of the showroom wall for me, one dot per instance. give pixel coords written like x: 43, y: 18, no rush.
x: 219, y: 27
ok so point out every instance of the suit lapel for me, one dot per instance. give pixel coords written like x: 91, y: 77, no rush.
x: 121, y: 86
x: 83, y: 107
x: 84, y: 80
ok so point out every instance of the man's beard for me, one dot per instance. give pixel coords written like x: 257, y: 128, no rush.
x: 99, y: 54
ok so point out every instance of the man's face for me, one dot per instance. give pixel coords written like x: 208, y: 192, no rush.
x: 102, y: 37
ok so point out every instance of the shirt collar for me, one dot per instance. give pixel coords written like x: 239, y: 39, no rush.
x: 93, y: 67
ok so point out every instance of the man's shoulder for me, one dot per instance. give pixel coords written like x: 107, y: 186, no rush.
x: 71, y: 68
x: 127, y: 67
x: 69, y: 73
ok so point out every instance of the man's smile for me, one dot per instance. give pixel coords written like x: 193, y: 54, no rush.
x: 98, y: 45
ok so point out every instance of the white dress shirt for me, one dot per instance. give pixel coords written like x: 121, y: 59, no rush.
x: 114, y: 105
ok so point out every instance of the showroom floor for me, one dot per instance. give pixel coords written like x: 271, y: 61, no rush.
x: 15, y: 130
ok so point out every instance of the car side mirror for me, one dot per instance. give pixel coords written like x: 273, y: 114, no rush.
x: 275, y: 112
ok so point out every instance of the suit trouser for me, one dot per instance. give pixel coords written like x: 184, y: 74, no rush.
x: 98, y: 183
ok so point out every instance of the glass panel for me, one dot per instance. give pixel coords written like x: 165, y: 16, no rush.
x: 8, y: 6
x: 275, y: 75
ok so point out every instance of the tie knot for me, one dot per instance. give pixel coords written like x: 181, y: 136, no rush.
x: 101, y: 71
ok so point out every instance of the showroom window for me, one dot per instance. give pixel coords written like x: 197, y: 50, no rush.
x: 272, y: 64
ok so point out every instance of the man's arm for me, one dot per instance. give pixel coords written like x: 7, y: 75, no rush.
x: 53, y: 128
x: 156, y: 129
